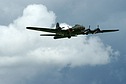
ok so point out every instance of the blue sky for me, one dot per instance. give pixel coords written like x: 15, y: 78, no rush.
x: 27, y: 58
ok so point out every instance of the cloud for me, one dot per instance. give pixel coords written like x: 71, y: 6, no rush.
x: 24, y: 54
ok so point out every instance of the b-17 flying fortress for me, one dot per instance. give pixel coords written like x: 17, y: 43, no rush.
x: 59, y: 32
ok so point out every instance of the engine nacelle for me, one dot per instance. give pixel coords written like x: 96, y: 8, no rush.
x: 96, y: 31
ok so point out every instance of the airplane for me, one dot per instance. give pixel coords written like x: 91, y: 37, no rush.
x: 59, y: 32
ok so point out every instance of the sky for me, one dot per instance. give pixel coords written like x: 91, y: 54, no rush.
x: 27, y: 58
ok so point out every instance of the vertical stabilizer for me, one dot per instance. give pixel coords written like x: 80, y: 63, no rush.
x: 58, y: 26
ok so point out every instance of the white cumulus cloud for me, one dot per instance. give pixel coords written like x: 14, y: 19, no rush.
x: 25, y: 52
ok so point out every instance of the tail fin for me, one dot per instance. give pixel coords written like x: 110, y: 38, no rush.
x: 58, y: 26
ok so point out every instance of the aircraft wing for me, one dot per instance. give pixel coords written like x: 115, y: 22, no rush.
x: 100, y: 31
x: 103, y: 31
x: 88, y: 31
x: 42, y: 29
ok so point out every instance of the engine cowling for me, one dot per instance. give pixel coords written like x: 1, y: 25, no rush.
x: 96, y: 31
x: 87, y: 31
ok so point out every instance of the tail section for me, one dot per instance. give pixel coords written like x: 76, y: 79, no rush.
x: 58, y: 26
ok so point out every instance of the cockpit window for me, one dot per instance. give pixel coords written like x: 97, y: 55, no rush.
x: 77, y: 25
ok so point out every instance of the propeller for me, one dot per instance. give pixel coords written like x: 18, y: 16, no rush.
x: 97, y: 26
x: 87, y: 31
x: 96, y: 30
x: 89, y: 26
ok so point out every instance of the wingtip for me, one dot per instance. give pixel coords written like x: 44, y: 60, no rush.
x: 27, y: 27
x: 117, y: 30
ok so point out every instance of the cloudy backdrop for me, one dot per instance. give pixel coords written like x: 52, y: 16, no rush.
x: 27, y: 58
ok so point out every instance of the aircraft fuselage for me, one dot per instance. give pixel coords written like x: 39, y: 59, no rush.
x: 74, y: 31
